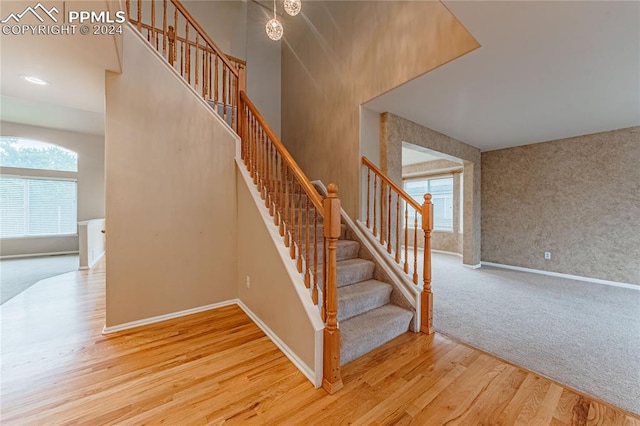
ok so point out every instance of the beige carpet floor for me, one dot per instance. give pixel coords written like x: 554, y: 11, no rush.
x: 581, y: 334
x: 17, y: 275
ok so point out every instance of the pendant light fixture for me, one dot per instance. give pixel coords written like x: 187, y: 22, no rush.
x: 292, y: 7
x: 274, y: 27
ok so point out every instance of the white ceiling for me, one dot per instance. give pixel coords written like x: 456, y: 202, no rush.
x: 546, y: 70
x: 73, y: 65
x: 411, y: 156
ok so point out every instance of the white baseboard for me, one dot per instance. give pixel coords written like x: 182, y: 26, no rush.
x: 286, y: 350
x: 473, y: 266
x: 84, y: 268
x: 55, y: 253
x: 560, y: 275
x: 165, y: 317
x: 453, y: 253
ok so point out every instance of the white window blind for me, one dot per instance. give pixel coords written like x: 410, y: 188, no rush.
x: 441, y: 190
x: 37, y: 207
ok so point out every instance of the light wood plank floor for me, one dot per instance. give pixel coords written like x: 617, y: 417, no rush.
x: 218, y: 367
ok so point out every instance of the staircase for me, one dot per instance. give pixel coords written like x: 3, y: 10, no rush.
x: 367, y: 316
x: 360, y: 308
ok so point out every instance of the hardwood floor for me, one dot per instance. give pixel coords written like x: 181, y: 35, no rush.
x: 218, y: 367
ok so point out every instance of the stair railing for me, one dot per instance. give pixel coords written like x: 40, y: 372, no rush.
x: 396, y: 220
x: 176, y: 35
x: 297, y: 208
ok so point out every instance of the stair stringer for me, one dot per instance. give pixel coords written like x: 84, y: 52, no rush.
x: 298, y: 319
x: 405, y: 294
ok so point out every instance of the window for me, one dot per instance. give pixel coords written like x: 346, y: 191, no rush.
x: 41, y: 205
x: 441, y: 190
x: 30, y: 154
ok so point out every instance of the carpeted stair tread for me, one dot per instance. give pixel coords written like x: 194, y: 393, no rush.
x: 367, y: 331
x: 353, y: 271
x: 358, y: 298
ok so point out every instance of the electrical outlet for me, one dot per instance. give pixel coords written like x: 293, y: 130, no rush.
x: 547, y: 255
x: 248, y: 281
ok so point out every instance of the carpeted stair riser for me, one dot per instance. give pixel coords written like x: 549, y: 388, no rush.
x: 358, y: 298
x: 346, y: 249
x: 353, y: 271
x: 366, y: 332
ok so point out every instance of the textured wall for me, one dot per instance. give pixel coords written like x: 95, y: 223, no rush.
x: 395, y: 130
x: 577, y: 198
x: 170, y: 195
x: 340, y: 54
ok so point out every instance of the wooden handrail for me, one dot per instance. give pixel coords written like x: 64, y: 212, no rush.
x: 204, y: 35
x: 313, y: 194
x: 406, y: 197
x: 231, y: 58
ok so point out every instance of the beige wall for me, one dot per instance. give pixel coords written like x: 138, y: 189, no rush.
x: 272, y: 295
x: 91, y: 195
x: 577, y: 198
x: 342, y: 55
x: 171, y: 203
x: 396, y: 130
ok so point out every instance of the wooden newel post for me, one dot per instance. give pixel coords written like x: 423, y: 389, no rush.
x: 332, y: 379
x: 426, y: 301
x: 242, y: 83
x: 171, y: 35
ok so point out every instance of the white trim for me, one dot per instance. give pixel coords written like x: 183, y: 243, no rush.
x: 165, y: 317
x: 55, y: 253
x: 560, y: 275
x: 452, y: 253
x: 478, y: 266
x: 286, y: 350
x: 84, y: 268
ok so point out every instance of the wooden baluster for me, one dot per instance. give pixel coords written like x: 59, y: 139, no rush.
x: 276, y: 188
x: 187, y: 60
x: 324, y: 275
x: 426, y: 297
x: 332, y: 379
x: 397, y: 228
x: 406, y: 237
x: 182, y: 59
x: 368, y: 186
x: 389, y: 222
x: 128, y: 3
x: 375, y: 195
x: 204, y: 75
x: 307, y: 275
x: 299, y: 263
x: 270, y: 169
x: 175, y: 33
x: 153, y: 23
x: 265, y: 168
x: 233, y: 95
x: 283, y: 198
x: 314, y: 293
x: 381, y: 211
x: 172, y: 45
x: 197, y: 68
x: 140, y: 16
x: 415, y: 249
x: 215, y: 83
x: 287, y: 201
x: 254, y: 149
x: 164, y: 28
x: 209, y: 77
x: 292, y: 226
x: 224, y: 92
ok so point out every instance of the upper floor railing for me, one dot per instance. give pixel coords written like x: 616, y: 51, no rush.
x: 171, y: 29
x: 403, y: 227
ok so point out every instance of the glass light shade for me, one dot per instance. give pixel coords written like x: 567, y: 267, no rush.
x: 274, y: 29
x: 292, y: 7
